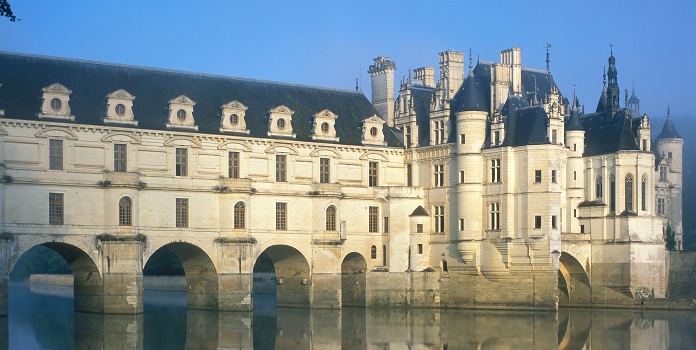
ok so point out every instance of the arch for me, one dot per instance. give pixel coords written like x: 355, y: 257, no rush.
x: 444, y: 266
x: 573, y: 282
x: 372, y: 155
x: 87, y: 280
x: 201, y: 275
x: 612, y: 193
x: 121, y: 137
x: 59, y: 133
x: 353, y: 280
x: 125, y: 211
x: 331, y: 218
x: 233, y: 145
x: 239, y: 215
x: 644, y: 192
x: 598, y: 186
x: 182, y: 141
x: 292, y: 275
x: 325, y: 153
x: 373, y: 252
x: 282, y: 149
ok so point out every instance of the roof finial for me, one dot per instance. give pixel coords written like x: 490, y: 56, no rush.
x: 611, y: 49
x: 604, y: 76
x: 633, y: 89
x: 548, y: 46
x: 470, y: 60
x: 575, y: 97
x: 356, y: 85
x: 667, y: 110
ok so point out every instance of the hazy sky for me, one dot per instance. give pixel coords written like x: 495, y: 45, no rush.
x: 331, y: 43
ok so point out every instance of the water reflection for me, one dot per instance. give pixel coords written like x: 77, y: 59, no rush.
x: 44, y: 319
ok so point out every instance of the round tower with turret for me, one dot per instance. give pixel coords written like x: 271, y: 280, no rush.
x: 575, y: 141
x: 669, y: 146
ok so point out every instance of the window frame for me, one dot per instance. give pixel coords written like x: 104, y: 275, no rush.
x: 537, y: 176
x: 495, y: 216
x: 125, y: 211
x: 233, y: 164
x: 324, y: 170
x: 120, y: 157
x: 281, y: 167
x: 281, y: 217
x: 55, y: 154
x: 56, y: 208
x: 181, y: 161
x: 495, y: 170
x: 373, y: 174
x: 439, y: 175
x: 182, y: 212
x: 537, y: 222
x: 439, y: 218
x: 373, y: 219
x: 331, y: 218
x: 239, y: 216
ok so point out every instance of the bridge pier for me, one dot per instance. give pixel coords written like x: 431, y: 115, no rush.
x: 235, y: 275
x: 5, y: 253
x: 122, y: 281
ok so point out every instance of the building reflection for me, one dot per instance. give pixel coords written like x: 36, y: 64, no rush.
x: 45, y: 320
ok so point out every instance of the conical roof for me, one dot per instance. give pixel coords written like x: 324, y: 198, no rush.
x: 573, y: 122
x: 472, y: 96
x: 668, y: 131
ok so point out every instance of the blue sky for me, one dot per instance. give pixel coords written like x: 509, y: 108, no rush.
x: 331, y: 43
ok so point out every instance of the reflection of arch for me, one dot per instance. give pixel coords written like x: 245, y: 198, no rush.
x: 201, y: 275
x: 88, y: 288
x: 292, y: 275
x: 353, y: 270
x: 573, y: 328
x: 573, y: 282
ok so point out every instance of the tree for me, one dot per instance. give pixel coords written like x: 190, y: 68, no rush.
x: 6, y: 11
x: 670, y: 242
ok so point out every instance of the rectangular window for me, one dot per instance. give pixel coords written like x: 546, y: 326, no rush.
x: 439, y: 174
x: 575, y: 175
x: 281, y: 216
x: 645, y: 145
x: 55, y: 209
x: 181, y: 162
x: 661, y: 206
x: 281, y: 167
x: 55, y: 154
x: 669, y: 155
x: 233, y: 165
x: 386, y: 224
x: 439, y: 129
x: 582, y: 228
x: 407, y: 135
x: 373, y: 219
x: 409, y: 175
x: 495, y: 216
x: 439, y: 218
x: 461, y: 176
x: 419, y: 228
x: 120, y: 158
x: 372, y: 178
x: 643, y: 194
x: 384, y: 255
x: 495, y: 170
x: 537, y: 176
x: 420, y: 248
x: 554, y: 224
x: 537, y: 221
x: 575, y: 147
x: 373, y: 252
x: 462, y: 139
x: 496, y: 138
x: 182, y: 205
x: 663, y: 173
x: 461, y: 224
x: 575, y: 213
x: 553, y: 176
x: 324, y: 169
x: 554, y: 137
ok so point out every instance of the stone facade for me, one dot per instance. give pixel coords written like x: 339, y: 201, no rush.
x: 477, y: 197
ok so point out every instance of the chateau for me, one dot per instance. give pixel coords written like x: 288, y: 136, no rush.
x: 486, y: 188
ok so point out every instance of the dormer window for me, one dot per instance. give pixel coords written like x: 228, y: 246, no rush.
x: 372, y: 133
x: 232, y: 118
x: 119, y: 108
x: 324, y: 126
x: 55, y: 104
x: 280, y: 122
x: 181, y: 113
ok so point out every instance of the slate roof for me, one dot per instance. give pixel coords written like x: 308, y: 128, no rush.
x: 471, y: 98
x: 23, y: 76
x: 526, y: 126
x: 544, y: 81
x: 605, y: 134
x: 668, y: 131
x: 420, y: 211
x: 422, y: 95
x: 572, y: 123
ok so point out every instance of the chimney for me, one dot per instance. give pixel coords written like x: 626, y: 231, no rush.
x: 382, y: 76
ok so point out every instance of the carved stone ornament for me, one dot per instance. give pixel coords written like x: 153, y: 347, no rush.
x: 119, y: 108
x: 324, y: 126
x: 233, y: 118
x: 181, y: 113
x: 56, y: 103
x: 373, y: 131
x: 280, y: 122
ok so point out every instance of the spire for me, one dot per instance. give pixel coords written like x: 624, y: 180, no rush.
x: 357, y: 88
x: 575, y: 97
x: 667, y: 110
x: 668, y: 130
x: 604, y: 76
x: 471, y: 66
x: 548, y: 61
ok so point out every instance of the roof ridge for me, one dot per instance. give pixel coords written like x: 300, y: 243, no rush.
x: 173, y: 71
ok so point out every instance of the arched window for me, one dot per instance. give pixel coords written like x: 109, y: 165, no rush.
x: 239, y: 215
x: 373, y: 252
x: 612, y: 193
x: 598, y: 187
x: 125, y: 206
x: 643, y: 192
x: 331, y: 218
x: 629, y: 192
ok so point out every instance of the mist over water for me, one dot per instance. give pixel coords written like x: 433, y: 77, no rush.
x: 42, y: 317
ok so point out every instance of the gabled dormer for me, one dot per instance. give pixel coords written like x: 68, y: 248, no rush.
x: 233, y: 119
x: 280, y: 122
x: 119, y: 108
x: 324, y: 127
x: 181, y: 113
x: 56, y: 104
x: 373, y: 131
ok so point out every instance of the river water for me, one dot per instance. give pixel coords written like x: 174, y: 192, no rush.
x: 42, y: 317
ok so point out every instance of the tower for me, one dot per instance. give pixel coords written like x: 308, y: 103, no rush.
x: 613, y: 91
x: 382, y: 77
x: 575, y: 183
x: 669, y: 146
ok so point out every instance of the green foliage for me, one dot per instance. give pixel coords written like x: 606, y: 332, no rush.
x: 670, y: 242
x: 164, y: 263
x: 6, y: 11
x: 39, y: 260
